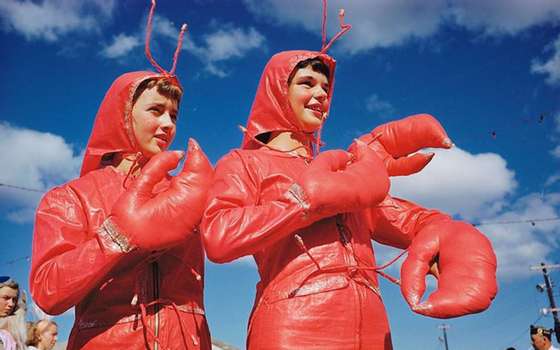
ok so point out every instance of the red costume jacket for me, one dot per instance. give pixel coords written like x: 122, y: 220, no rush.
x: 318, y: 287
x: 76, y: 263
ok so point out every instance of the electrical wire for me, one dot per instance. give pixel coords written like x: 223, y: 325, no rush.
x: 22, y: 188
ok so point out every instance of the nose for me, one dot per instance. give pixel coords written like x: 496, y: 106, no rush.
x: 166, y: 122
x: 320, y: 94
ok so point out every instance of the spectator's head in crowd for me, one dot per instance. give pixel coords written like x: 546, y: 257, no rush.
x: 9, y: 295
x: 43, y: 335
x: 12, y: 310
x: 541, y: 337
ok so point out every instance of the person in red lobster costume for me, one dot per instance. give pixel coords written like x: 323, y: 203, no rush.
x: 120, y: 243
x: 309, y: 221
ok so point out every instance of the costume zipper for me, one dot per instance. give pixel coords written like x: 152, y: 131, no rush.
x: 155, y: 275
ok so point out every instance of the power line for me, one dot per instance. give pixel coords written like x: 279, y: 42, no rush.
x: 22, y: 188
x: 522, y: 221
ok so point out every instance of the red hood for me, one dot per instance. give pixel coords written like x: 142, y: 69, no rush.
x: 271, y: 110
x: 112, y: 129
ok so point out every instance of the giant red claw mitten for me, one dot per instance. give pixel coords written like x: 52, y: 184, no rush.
x: 339, y: 182
x: 395, y: 142
x: 467, y: 270
x: 156, y: 221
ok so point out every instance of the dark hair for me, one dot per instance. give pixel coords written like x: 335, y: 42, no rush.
x: 316, y: 64
x: 541, y: 331
x: 164, y: 86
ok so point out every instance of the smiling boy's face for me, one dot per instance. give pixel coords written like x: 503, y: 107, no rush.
x: 154, y: 118
x: 308, y: 98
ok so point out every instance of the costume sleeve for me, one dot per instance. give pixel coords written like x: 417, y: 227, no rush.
x: 235, y: 223
x: 396, y: 221
x: 68, y: 260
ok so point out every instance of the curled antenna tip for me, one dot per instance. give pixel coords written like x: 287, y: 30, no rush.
x: 153, y: 2
x: 184, y: 27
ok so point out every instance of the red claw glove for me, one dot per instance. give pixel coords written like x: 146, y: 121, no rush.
x: 339, y: 182
x: 467, y: 270
x: 156, y: 221
x: 395, y: 141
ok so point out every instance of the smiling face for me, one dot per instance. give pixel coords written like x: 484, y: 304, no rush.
x: 308, y: 98
x: 153, y: 118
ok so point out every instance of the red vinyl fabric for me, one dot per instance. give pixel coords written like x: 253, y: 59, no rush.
x: 318, y: 287
x: 122, y: 299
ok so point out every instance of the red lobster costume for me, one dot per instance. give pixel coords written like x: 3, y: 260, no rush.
x: 124, y: 251
x: 311, y: 242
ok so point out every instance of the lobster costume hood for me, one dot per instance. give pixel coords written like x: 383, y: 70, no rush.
x: 133, y: 288
x: 112, y: 130
x: 271, y: 110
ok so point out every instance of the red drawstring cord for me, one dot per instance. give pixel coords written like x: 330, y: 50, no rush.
x: 165, y: 302
x: 135, y: 165
x: 346, y: 268
x: 147, y: 45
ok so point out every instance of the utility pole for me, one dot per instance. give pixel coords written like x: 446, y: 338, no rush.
x: 548, y: 285
x: 444, y: 327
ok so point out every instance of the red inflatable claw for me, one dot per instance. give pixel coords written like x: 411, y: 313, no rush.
x: 395, y: 141
x: 340, y: 182
x: 140, y: 215
x: 467, y: 270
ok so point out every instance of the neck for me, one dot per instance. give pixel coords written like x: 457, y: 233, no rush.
x: 123, y: 162
x: 287, y: 141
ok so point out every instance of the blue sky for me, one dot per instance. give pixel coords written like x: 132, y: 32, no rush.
x: 488, y: 70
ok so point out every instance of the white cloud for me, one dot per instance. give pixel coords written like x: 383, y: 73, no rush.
x: 380, y: 108
x: 50, y: 19
x: 36, y: 160
x: 478, y: 187
x: 225, y: 44
x: 551, y: 67
x: 556, y: 152
x: 520, y: 245
x: 498, y: 17
x: 458, y: 182
x: 122, y: 44
x: 385, y: 23
x: 374, y: 23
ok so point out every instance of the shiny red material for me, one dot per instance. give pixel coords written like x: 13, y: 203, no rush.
x: 395, y: 141
x: 140, y: 215
x: 318, y: 286
x: 123, y: 297
x: 467, y: 270
x: 340, y: 182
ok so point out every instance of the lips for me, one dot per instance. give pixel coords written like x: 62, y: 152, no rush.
x: 316, y: 109
x: 162, y: 140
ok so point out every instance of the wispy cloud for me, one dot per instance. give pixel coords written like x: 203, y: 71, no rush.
x: 386, y: 23
x: 379, y: 107
x: 49, y: 20
x: 499, y: 17
x: 37, y: 160
x: 225, y: 44
x: 551, y: 66
x: 122, y: 44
